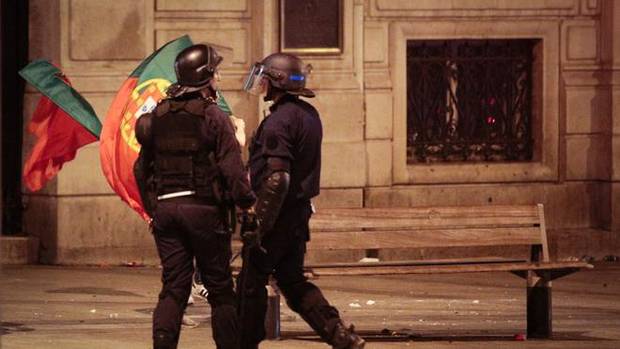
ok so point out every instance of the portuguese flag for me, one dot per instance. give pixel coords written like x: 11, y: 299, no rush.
x: 138, y: 95
x: 62, y: 122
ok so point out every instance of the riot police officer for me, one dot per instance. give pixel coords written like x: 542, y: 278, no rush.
x: 189, y: 153
x: 285, y: 166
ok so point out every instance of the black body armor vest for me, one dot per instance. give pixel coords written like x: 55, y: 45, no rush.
x: 183, y: 152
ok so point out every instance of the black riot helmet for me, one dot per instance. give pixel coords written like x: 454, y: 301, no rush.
x: 284, y: 72
x: 195, y: 66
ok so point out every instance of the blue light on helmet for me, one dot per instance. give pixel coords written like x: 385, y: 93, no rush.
x: 296, y: 77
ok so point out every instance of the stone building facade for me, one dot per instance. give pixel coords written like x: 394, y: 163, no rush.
x: 361, y: 95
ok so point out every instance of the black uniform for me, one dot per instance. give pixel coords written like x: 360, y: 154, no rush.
x: 189, y: 146
x: 292, y: 133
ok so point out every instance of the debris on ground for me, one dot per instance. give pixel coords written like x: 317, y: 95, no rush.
x: 570, y: 259
x: 587, y: 259
x: 189, y: 322
x: 133, y: 264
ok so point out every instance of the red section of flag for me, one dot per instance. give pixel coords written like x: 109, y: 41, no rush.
x: 58, y: 138
x: 118, y: 149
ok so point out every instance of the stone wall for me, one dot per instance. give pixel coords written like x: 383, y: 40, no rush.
x: 360, y: 95
x: 573, y: 174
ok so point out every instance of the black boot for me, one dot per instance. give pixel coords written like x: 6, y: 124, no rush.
x: 346, y: 338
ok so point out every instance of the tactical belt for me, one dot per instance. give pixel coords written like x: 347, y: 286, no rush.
x: 191, y: 200
x: 176, y: 194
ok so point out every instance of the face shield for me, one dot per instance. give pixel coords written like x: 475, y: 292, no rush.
x: 254, y: 81
x: 307, y: 71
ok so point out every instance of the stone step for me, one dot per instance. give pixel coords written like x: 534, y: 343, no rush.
x: 19, y: 249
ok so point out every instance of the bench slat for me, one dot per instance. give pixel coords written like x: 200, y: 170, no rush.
x: 444, y: 269
x: 351, y: 240
x: 445, y: 211
x: 417, y: 262
x: 337, y: 223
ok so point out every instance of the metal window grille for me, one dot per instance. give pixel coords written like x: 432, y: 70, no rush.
x: 469, y: 100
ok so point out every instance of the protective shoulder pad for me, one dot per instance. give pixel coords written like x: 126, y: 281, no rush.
x: 162, y: 108
x: 197, y: 106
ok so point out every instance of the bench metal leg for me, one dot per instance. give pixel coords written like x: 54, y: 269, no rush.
x: 538, y: 306
x: 272, y: 318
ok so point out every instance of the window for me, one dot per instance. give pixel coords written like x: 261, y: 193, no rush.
x: 470, y: 100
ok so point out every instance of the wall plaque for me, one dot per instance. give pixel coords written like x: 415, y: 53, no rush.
x: 311, y: 26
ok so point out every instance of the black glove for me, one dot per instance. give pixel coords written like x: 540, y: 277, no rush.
x: 250, y: 229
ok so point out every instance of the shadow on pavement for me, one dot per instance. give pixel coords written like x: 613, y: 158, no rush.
x: 10, y: 327
x: 100, y: 291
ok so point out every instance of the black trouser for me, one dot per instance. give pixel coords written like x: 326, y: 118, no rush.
x: 285, y: 247
x: 184, y: 229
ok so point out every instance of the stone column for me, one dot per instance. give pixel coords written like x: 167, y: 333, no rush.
x: 39, y: 220
x: 613, y: 28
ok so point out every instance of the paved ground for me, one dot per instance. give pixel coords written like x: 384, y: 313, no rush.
x: 71, y: 308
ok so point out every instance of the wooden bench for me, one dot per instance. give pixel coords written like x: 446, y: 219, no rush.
x: 390, y: 228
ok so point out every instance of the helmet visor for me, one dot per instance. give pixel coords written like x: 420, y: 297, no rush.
x: 254, y: 79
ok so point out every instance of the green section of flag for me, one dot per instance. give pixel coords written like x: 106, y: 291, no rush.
x: 160, y: 64
x: 221, y: 102
x: 46, y: 78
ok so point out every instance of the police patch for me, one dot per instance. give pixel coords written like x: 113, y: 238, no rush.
x: 272, y: 142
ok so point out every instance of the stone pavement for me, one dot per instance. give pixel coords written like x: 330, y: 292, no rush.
x: 100, y: 308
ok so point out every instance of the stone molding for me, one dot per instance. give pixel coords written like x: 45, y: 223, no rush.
x: 180, y: 9
x: 479, y: 8
x: 581, y: 47
x: 376, y: 44
x: 590, y: 7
